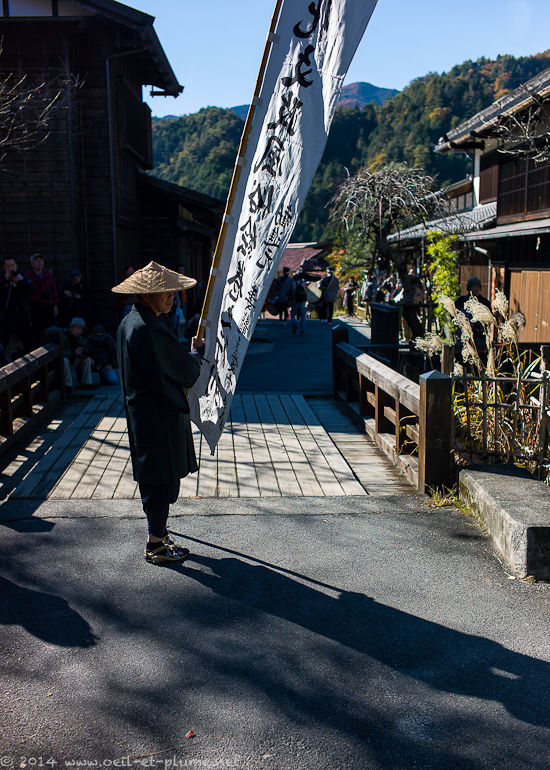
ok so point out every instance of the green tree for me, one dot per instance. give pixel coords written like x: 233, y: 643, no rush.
x: 199, y: 150
x: 443, y: 254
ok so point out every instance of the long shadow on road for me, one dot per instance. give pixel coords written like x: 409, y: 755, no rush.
x: 441, y: 657
x: 247, y: 653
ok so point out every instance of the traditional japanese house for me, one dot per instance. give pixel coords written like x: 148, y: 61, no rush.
x: 501, y: 214
x: 79, y: 194
x: 464, y: 217
x: 511, y: 172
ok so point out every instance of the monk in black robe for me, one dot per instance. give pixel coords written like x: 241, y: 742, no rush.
x: 156, y: 372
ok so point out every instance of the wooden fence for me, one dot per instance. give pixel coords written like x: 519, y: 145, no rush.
x: 30, y: 387
x: 411, y: 423
x: 504, y: 418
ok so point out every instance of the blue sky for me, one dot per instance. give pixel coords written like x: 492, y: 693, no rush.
x: 214, y: 46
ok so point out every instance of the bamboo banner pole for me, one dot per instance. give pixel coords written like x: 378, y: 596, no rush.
x: 237, y: 171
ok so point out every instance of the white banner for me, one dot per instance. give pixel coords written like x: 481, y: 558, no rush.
x: 312, y: 50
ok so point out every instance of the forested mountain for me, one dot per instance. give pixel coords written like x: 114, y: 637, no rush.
x: 360, y: 94
x: 199, y: 150
x: 353, y: 95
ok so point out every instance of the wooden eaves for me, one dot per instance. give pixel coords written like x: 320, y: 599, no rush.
x: 470, y: 134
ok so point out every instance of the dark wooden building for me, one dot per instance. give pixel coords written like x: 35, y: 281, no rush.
x: 81, y: 196
x: 501, y: 214
x: 508, y: 176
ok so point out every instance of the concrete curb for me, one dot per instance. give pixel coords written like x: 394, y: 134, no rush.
x: 514, y: 509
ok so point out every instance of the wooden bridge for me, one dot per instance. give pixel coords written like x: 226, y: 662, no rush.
x: 284, y: 442
x: 274, y: 445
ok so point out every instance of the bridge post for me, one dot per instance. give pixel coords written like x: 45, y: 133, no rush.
x: 435, y: 427
x: 339, y: 334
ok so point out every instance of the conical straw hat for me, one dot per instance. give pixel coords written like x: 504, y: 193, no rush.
x: 154, y: 279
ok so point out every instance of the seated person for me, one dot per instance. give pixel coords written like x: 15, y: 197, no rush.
x: 73, y: 298
x: 76, y: 358
x: 102, y: 350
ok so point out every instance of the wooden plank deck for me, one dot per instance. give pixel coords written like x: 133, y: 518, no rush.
x: 274, y: 445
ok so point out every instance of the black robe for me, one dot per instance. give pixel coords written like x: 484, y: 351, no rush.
x: 155, y: 372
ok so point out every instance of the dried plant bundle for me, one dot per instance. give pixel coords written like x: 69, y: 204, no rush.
x: 431, y: 344
x: 464, y: 325
x: 479, y: 312
x: 517, y: 319
x: 507, y: 332
x: 470, y: 354
x: 500, y: 303
x: 448, y: 304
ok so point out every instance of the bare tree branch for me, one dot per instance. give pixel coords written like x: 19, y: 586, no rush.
x: 526, y: 133
x: 27, y: 109
x: 381, y: 202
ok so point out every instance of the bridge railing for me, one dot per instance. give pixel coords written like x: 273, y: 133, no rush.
x: 30, y: 387
x: 412, y: 423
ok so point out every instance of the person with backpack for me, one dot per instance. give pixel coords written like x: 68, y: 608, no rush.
x: 298, y: 307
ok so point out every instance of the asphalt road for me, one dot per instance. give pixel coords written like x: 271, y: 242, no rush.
x: 278, y: 361
x: 302, y: 634
x: 348, y: 633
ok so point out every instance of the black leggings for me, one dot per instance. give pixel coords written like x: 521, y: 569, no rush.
x: 156, y: 499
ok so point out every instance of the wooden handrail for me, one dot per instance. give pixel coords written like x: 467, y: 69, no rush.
x: 19, y: 370
x: 391, y: 382
x: 410, y: 422
x: 30, y: 387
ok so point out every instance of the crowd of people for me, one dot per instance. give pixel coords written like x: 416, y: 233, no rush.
x: 291, y: 298
x: 32, y: 303
x: 294, y: 297
x: 34, y: 307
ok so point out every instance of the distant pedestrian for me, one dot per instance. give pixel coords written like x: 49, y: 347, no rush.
x: 78, y: 364
x: 15, y: 314
x: 102, y: 350
x: 285, y: 287
x: 330, y: 286
x: 298, y: 307
x: 388, y: 289
x: 349, y: 292
x: 473, y: 289
x: 368, y: 292
x: 155, y: 371
x: 73, y: 299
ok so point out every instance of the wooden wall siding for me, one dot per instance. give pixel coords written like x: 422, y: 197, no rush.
x: 75, y: 198
x: 523, y: 189
x: 530, y: 293
x: 480, y: 271
x: 139, y: 136
x: 488, y: 177
x: 36, y: 200
x: 55, y: 198
x: 97, y: 257
x: 527, y: 251
x: 164, y: 241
